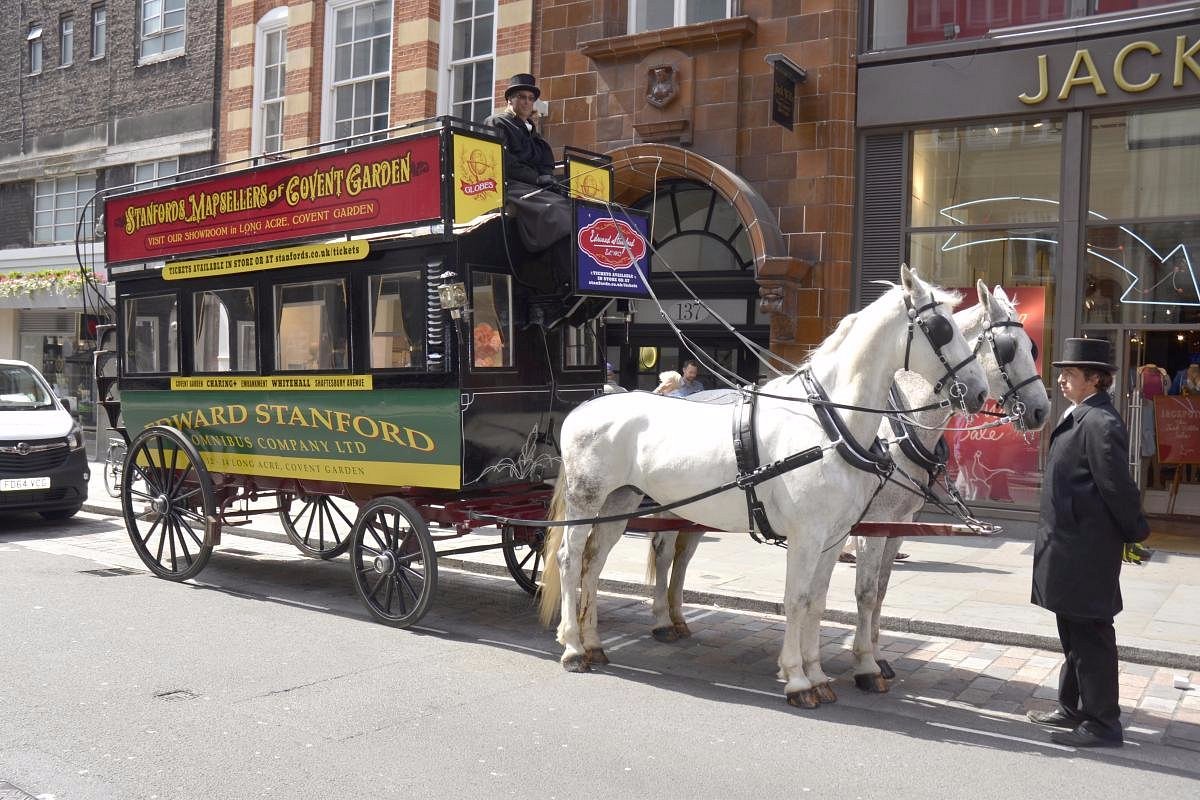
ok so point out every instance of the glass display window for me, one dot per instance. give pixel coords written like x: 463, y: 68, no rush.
x: 225, y: 324
x: 311, y: 326
x: 152, y: 334
x: 398, y: 321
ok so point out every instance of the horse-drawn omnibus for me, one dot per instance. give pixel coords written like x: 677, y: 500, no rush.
x: 359, y: 341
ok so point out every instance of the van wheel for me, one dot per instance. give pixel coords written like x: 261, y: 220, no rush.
x: 60, y: 513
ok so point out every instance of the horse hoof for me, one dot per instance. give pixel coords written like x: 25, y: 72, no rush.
x: 805, y: 698
x: 665, y: 635
x: 885, y: 669
x: 825, y: 693
x: 683, y: 630
x: 597, y: 656
x: 874, y: 684
x: 576, y: 663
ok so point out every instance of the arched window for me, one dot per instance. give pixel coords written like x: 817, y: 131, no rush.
x: 696, y: 230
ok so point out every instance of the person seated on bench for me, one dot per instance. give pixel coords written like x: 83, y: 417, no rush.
x: 543, y: 215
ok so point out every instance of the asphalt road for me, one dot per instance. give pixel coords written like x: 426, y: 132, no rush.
x: 265, y: 677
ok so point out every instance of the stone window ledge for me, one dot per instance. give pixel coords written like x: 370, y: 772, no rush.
x: 686, y: 36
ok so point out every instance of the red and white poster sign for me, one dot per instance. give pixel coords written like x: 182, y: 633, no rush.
x: 1000, y: 465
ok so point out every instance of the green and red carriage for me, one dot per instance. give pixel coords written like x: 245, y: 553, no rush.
x: 358, y: 341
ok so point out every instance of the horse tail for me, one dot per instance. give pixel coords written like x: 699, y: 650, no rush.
x: 550, y: 595
x: 652, y: 559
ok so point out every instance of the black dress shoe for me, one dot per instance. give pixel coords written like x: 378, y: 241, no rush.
x: 1056, y: 718
x: 1082, y: 737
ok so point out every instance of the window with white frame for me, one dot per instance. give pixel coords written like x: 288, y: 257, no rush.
x: 66, y: 41
x: 57, y: 204
x: 651, y: 15
x: 99, y: 30
x: 358, y: 47
x: 270, y: 81
x: 34, y: 39
x: 149, y: 174
x: 470, y: 61
x: 162, y: 29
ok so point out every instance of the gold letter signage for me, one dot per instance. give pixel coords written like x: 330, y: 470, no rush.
x: 1129, y: 78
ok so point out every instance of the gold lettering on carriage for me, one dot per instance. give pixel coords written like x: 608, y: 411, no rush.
x: 320, y: 184
x: 293, y: 416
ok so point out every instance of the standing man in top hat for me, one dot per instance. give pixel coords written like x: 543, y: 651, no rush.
x: 1090, y: 514
x: 543, y: 216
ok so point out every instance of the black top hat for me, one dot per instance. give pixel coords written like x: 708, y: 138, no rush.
x: 522, y: 80
x: 1094, y: 353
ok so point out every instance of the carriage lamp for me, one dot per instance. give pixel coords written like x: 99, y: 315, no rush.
x: 453, y: 297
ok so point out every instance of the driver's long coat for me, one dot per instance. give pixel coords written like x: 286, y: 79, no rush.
x: 1090, y: 508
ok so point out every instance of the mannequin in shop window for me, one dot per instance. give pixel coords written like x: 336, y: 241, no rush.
x: 1153, y: 381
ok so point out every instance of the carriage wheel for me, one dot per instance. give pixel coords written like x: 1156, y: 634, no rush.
x: 318, y: 525
x: 395, y: 565
x: 524, y: 557
x: 167, y: 500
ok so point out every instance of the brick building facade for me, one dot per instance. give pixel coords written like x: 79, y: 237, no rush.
x: 420, y: 66
x: 98, y: 94
x: 793, y: 190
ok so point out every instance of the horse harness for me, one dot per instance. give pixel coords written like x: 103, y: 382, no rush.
x: 1004, y: 346
x: 874, y: 459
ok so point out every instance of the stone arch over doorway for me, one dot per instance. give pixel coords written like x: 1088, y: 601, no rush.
x: 794, y: 308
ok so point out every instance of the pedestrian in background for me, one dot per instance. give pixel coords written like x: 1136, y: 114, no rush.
x: 1090, y: 514
x: 690, y: 384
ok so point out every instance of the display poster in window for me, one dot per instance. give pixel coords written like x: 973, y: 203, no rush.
x: 1177, y: 428
x: 612, y: 251
x: 1000, y: 464
x: 393, y: 183
x: 478, y: 177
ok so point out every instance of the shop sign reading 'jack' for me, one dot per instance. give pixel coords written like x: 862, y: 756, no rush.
x: 1135, y: 68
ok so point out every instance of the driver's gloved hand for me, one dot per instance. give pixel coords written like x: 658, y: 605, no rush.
x: 546, y: 181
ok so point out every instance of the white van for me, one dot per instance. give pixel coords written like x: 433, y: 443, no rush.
x: 43, y: 464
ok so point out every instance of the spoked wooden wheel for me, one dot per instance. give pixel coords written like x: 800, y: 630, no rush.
x: 395, y: 565
x: 523, y: 555
x: 167, y: 501
x: 318, y: 525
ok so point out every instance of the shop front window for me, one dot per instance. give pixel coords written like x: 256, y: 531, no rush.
x: 895, y: 23
x: 984, y: 204
x: 1143, y: 220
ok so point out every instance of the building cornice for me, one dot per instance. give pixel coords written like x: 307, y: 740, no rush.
x: 683, y: 37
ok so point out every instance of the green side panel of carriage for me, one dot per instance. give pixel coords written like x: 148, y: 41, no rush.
x: 394, y: 437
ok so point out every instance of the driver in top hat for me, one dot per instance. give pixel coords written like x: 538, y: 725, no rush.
x: 543, y: 215
x: 1090, y: 513
x: 528, y: 157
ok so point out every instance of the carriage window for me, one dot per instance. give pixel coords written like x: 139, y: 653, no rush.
x: 152, y: 334
x: 311, y: 330
x: 491, y: 302
x: 226, y: 339
x: 397, y: 321
x: 581, y: 344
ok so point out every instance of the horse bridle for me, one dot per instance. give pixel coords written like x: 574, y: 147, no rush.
x: 1004, y: 347
x: 939, y: 332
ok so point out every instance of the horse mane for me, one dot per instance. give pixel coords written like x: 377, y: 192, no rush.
x: 838, y: 337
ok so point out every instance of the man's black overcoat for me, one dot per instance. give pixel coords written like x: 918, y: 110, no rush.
x: 527, y: 155
x: 1090, y: 509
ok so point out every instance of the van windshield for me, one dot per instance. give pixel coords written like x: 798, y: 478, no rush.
x: 20, y: 389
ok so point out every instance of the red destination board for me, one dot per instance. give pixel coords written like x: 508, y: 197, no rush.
x: 393, y: 183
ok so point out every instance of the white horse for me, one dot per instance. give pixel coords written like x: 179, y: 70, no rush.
x: 618, y: 448
x: 1008, y: 358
